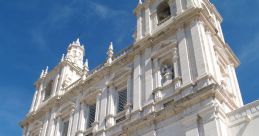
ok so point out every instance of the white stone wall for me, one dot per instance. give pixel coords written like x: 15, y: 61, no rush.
x: 180, y: 79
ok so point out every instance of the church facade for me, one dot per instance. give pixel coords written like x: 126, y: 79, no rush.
x: 177, y: 79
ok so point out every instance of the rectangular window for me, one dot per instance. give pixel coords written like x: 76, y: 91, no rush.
x: 91, y: 115
x: 65, y: 128
x: 122, y: 100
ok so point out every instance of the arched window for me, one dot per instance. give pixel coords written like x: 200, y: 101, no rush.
x: 48, y: 90
x: 163, y: 12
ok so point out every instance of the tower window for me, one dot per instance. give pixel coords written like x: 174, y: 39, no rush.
x: 48, y: 90
x: 91, y: 115
x: 163, y: 12
x: 122, y: 101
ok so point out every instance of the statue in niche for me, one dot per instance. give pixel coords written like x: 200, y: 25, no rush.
x: 167, y: 73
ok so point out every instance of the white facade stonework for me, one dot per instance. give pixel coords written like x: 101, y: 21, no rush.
x: 177, y: 79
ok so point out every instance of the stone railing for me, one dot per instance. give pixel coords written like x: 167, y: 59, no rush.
x: 246, y: 112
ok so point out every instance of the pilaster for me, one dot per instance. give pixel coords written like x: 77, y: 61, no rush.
x: 82, y: 119
x: 179, y: 6
x: 147, y: 20
x: 129, y: 95
x: 71, y: 119
x: 137, y: 83
x: 185, y: 65
x: 110, y: 121
x: 98, y: 109
x: 148, y: 76
x: 55, y: 85
x: 139, y: 26
x: 57, y: 126
x: 197, y: 29
x: 34, y: 101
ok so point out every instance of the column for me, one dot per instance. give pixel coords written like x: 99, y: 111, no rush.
x: 185, y: 65
x: 103, y: 108
x: 97, y: 112
x: 51, y: 124
x: 157, y: 74
x: 61, y: 79
x: 45, y: 124
x: 82, y: 120
x: 76, y: 117
x: 215, y: 67
x: 111, y: 107
x: 179, y: 7
x: 176, y: 68
x: 139, y: 26
x: 173, y: 7
x: 235, y: 83
x: 197, y: 29
x: 57, y: 128
x: 34, y: 101
x: 69, y: 132
x: 148, y: 76
x: 129, y: 95
x: 55, y: 85
x: 147, y: 20
x: 137, y: 83
x: 190, y: 3
x: 38, y: 98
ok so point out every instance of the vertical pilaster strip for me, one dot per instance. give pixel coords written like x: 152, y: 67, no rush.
x: 237, y: 88
x: 215, y: 67
x: 137, y: 83
x: 158, y: 77
x: 129, y: 93
x: 62, y: 76
x: 185, y: 65
x: 198, y: 46
x: 111, y: 107
x: 76, y: 117
x: 51, y: 124
x: 139, y: 26
x: 38, y: 98
x: 179, y: 6
x: 82, y: 120
x: 34, y: 101
x: 103, y: 108
x: 98, y: 110
x: 147, y: 18
x: 148, y: 76
x: 190, y: 3
x: 57, y: 128
x: 173, y: 7
x: 71, y: 118
x: 45, y: 124
x: 55, y: 85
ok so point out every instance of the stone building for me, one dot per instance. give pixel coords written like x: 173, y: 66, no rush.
x: 177, y: 79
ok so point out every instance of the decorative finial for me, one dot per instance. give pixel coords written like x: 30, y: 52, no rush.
x: 78, y: 41
x: 140, y: 2
x: 110, y: 53
x: 63, y: 57
x: 42, y: 74
x: 46, y: 71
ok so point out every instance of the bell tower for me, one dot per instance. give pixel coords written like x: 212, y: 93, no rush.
x: 75, y: 53
x: 195, y: 26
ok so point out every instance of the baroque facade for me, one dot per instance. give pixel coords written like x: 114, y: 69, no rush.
x: 177, y: 79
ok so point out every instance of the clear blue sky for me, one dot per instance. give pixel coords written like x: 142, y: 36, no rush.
x: 35, y: 33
